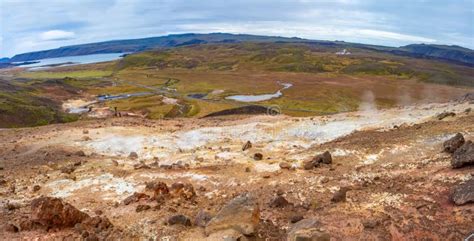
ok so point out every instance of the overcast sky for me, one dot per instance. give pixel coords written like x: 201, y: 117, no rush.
x: 31, y: 25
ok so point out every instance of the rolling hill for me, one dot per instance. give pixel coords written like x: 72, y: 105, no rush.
x: 454, y: 54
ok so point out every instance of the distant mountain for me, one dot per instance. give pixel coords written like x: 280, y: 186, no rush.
x: 448, y: 53
x: 456, y: 53
x: 4, y: 60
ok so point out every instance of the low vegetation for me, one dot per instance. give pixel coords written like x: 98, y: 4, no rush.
x: 323, y: 82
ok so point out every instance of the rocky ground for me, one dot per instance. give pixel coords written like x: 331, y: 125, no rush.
x: 399, y: 174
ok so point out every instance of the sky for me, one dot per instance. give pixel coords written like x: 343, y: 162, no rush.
x: 32, y: 25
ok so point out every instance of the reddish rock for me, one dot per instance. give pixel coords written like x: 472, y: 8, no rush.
x: 159, y: 189
x: 97, y: 223
x: 53, y: 212
x: 183, y: 190
x: 135, y: 198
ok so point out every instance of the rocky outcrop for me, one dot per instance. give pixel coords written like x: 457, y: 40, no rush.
x: 307, y: 229
x: 240, y: 214
x: 464, y: 193
x: 451, y: 145
x: 463, y: 156
x: 53, y: 212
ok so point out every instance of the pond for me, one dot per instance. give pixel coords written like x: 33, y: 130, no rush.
x: 263, y: 97
x: 72, y: 60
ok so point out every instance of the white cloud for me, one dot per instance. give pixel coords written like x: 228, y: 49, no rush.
x: 53, y: 35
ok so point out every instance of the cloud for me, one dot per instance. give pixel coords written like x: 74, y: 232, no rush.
x: 54, y: 35
x: 45, y: 24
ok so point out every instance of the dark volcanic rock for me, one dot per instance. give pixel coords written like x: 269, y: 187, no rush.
x: 324, y: 158
x: 179, y: 219
x: 454, y: 143
x: 445, y: 114
x: 464, y: 155
x: 247, y: 146
x: 53, y: 212
x: 133, y: 155
x: 258, y: 156
x: 464, y: 193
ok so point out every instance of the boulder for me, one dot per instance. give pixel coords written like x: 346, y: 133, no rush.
x: 240, y: 214
x: 53, y: 212
x: 451, y: 145
x: 463, y: 156
x: 464, y: 193
x: 307, y: 230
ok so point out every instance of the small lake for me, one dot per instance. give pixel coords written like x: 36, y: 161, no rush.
x: 257, y: 98
x: 72, y: 60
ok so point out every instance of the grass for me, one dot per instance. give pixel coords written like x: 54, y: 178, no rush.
x: 59, y: 75
x: 323, y: 83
